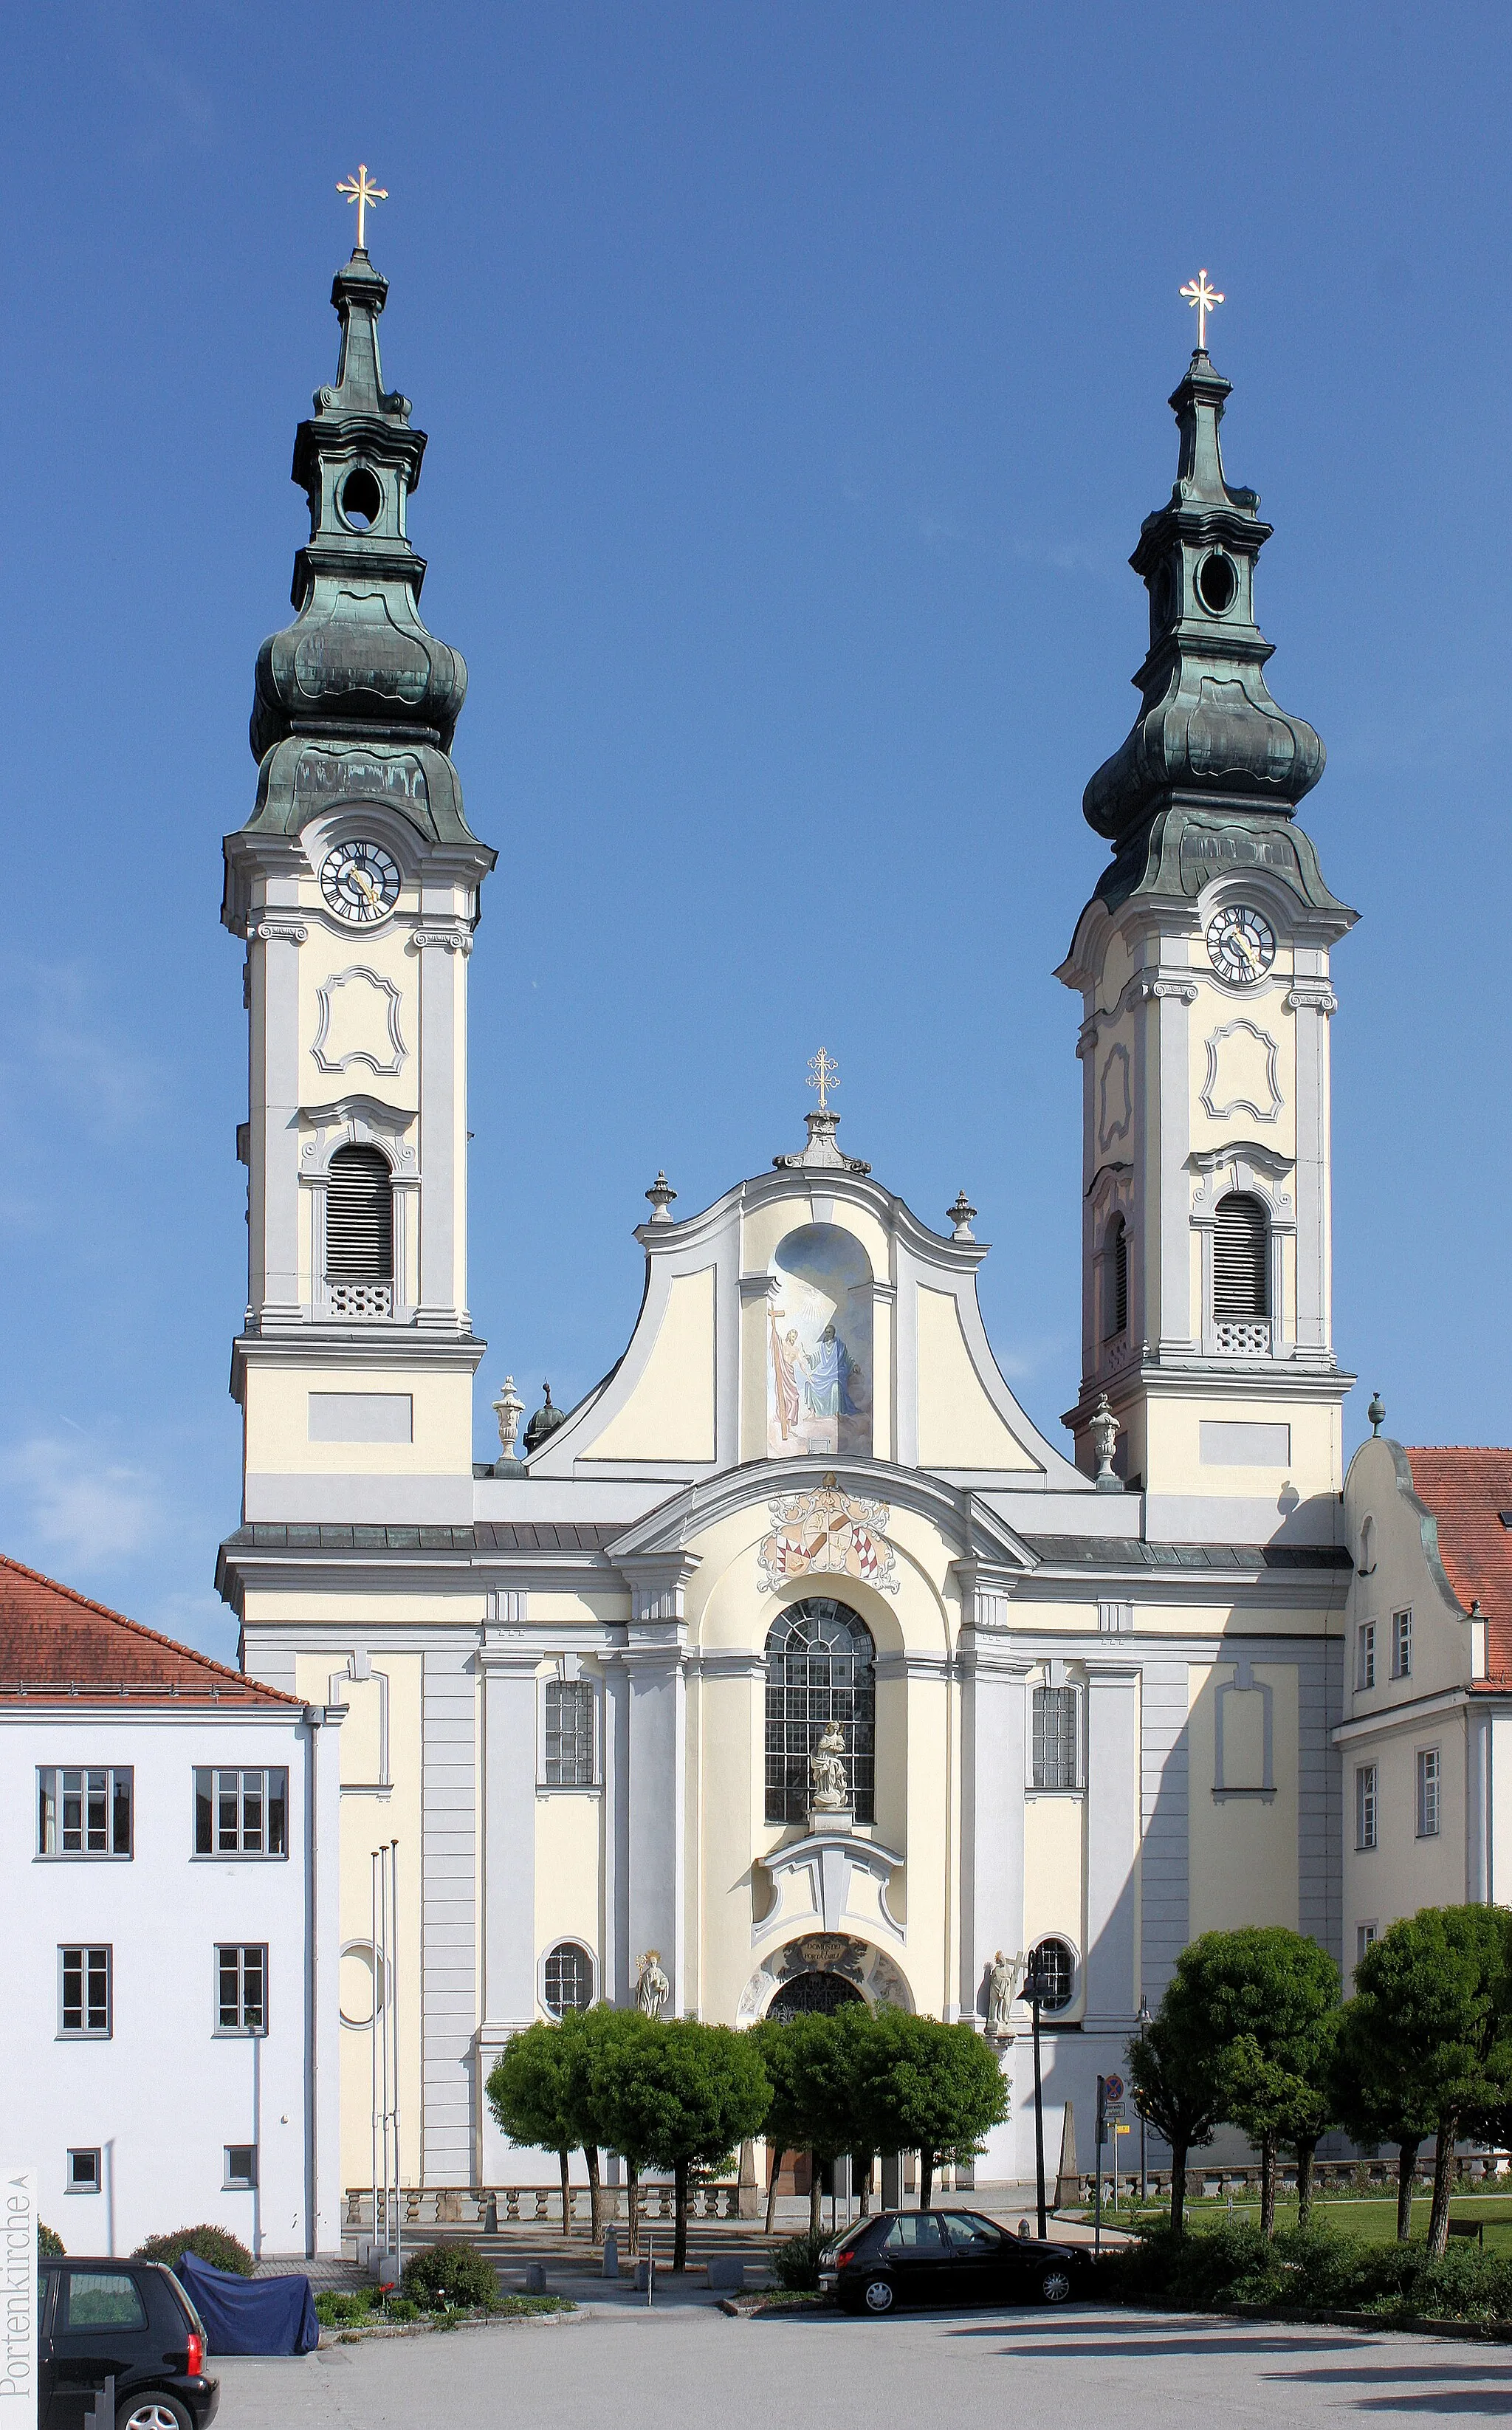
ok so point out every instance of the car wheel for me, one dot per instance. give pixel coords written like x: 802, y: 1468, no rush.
x: 880, y: 2297
x: 1056, y: 2286
x: 158, y: 2412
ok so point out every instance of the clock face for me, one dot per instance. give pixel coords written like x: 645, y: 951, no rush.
x: 360, y: 882
x: 1242, y: 944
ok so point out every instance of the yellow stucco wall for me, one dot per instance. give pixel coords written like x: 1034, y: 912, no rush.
x: 1242, y: 1849
x: 670, y: 1413
x: 958, y: 1426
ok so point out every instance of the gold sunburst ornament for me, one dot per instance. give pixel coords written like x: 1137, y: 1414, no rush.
x: 361, y: 191
x: 1201, y: 298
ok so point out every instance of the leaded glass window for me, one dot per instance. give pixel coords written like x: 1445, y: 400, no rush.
x: 568, y: 1979
x: 1057, y: 1737
x: 821, y: 1668
x: 569, y: 1724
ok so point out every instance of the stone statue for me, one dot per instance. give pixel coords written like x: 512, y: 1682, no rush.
x: 652, y: 1988
x: 828, y: 1788
x: 1001, y: 1979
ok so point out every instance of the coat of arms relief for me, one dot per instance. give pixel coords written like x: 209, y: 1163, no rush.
x: 827, y: 1530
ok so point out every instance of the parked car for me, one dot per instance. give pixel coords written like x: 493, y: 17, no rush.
x: 130, y: 2321
x: 947, y: 2257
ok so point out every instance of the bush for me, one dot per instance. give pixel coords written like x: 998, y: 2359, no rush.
x: 335, y: 2310
x: 1313, y: 2268
x: 796, y: 2264
x: 447, y: 2274
x: 215, y: 2245
x: 49, y: 2243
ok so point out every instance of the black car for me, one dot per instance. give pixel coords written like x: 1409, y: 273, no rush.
x: 947, y: 2257
x: 130, y: 2321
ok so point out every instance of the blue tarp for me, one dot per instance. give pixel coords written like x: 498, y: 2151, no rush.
x: 262, y: 2316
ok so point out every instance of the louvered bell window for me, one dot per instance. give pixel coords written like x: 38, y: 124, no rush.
x: 1117, y: 1283
x: 359, y: 1233
x: 1241, y: 1276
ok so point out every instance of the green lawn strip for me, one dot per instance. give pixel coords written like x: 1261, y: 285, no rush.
x: 1372, y: 2221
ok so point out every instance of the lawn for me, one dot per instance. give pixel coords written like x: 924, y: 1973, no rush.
x: 1371, y: 2218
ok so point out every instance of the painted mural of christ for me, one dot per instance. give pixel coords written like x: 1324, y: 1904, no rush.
x: 828, y: 1376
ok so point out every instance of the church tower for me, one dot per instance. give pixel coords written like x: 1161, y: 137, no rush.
x: 1203, y: 965
x: 356, y: 886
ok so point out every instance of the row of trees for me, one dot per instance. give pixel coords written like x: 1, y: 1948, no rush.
x: 682, y: 2097
x: 1252, y: 2033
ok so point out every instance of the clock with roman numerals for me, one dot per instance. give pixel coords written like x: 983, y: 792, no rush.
x: 1242, y: 944
x: 360, y: 881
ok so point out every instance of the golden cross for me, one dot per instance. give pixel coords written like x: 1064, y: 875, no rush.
x: 359, y: 190
x: 822, y: 1075
x: 1201, y: 298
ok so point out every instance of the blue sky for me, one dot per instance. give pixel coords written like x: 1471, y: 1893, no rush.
x: 795, y: 378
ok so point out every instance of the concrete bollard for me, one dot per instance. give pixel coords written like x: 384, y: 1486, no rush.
x: 611, y: 2253
x: 726, y: 2271
x: 534, y: 2277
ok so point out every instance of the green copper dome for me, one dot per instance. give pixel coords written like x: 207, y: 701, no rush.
x: 1208, y: 736
x: 355, y: 698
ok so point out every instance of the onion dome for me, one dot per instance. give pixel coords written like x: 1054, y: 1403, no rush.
x: 1208, y: 736
x: 356, y: 699
x: 544, y: 1423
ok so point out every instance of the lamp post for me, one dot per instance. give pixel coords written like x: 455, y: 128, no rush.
x: 1142, y: 2019
x: 1033, y: 1991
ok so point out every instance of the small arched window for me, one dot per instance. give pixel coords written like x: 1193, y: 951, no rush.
x: 1241, y: 1277
x: 567, y: 1979
x: 1115, y: 1280
x: 360, y: 1232
x: 1055, y: 1961
x: 821, y: 1668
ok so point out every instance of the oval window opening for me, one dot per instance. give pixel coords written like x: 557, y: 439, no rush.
x: 1216, y: 583
x: 361, y: 498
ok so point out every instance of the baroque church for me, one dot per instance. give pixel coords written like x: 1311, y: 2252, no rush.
x: 795, y: 1665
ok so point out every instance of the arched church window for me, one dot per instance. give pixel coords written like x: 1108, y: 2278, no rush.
x: 360, y: 1232
x: 1116, y: 1272
x: 567, y: 1979
x: 1241, y: 1277
x: 1055, y: 1961
x: 820, y: 1668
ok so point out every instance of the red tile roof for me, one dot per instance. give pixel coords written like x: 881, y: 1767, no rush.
x: 1466, y: 1490
x: 54, y: 1643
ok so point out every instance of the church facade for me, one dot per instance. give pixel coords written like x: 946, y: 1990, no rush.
x: 795, y: 1664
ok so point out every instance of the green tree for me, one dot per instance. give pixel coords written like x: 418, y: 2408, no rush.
x: 680, y: 2096
x: 923, y: 2087
x: 535, y: 2090
x: 812, y: 2062
x: 1177, y: 2083
x: 1430, y: 2027
x: 1264, y: 1996
x: 1374, y: 2102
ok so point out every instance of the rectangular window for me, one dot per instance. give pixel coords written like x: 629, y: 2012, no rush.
x: 568, y: 1751
x: 1401, y: 1645
x: 241, y: 1989
x: 240, y: 2167
x: 84, y: 1813
x: 84, y: 1993
x: 1365, y: 1937
x: 1428, y: 1792
x: 101, y: 2299
x: 241, y: 1813
x: 1365, y: 1807
x: 1364, y: 1671
x: 84, y: 2172
x: 1056, y: 1738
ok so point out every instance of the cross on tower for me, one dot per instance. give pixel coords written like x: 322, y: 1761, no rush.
x: 1201, y: 298
x: 361, y: 189
x: 824, y: 1074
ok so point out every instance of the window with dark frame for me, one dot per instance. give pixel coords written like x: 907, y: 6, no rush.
x: 1055, y: 1961
x: 84, y: 1812
x: 84, y: 2171
x: 569, y: 1734
x: 84, y: 1991
x: 1056, y: 1738
x: 241, y: 1813
x: 241, y: 1988
x: 240, y: 2169
x: 568, y: 1987
x: 821, y: 1668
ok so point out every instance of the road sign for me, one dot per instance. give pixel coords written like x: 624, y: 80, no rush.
x: 1123, y: 2130
x: 1112, y: 2088
x: 1114, y: 2109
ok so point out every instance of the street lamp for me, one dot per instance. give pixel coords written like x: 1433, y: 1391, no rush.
x: 1035, y: 1991
x: 1142, y: 2019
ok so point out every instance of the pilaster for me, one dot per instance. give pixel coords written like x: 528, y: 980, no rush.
x: 1112, y: 1843
x: 994, y: 1705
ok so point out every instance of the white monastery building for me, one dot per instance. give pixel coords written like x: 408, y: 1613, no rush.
x: 795, y: 1665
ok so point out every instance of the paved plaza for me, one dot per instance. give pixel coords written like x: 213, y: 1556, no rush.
x: 689, y: 2362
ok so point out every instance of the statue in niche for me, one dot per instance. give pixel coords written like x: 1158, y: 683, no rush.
x: 829, y: 1790
x: 1002, y: 1981
x: 652, y: 1988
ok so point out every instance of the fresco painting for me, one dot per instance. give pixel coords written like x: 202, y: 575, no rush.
x: 819, y: 1344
